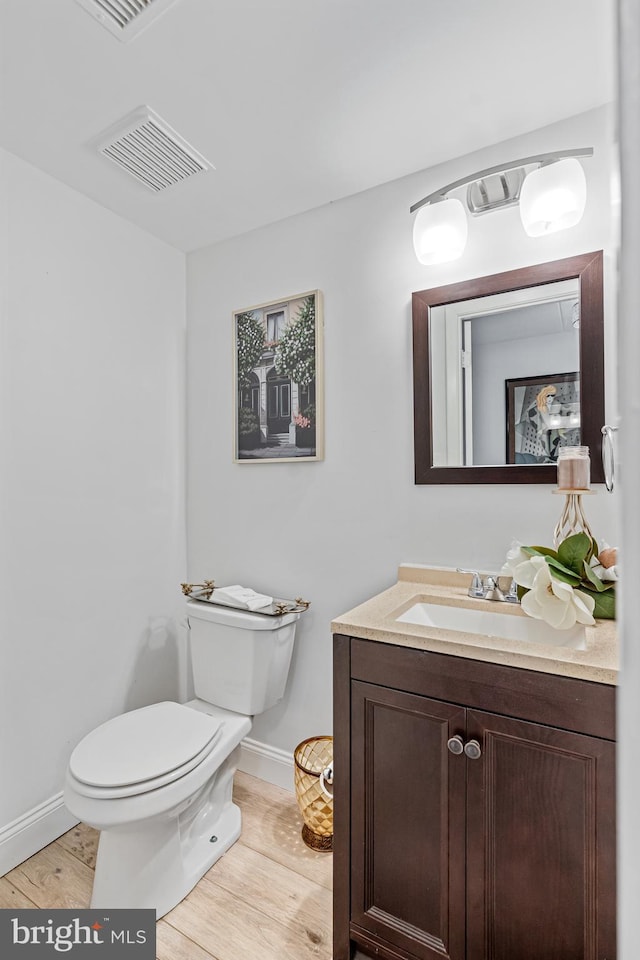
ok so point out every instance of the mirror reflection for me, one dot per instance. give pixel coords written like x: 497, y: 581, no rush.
x: 508, y: 369
x: 505, y: 376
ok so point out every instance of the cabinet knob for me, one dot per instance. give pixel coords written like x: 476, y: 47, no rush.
x: 455, y: 745
x: 473, y: 749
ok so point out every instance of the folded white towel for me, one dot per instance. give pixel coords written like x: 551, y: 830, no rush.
x: 243, y: 597
x: 259, y: 601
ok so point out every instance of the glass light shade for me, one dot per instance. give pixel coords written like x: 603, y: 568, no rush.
x: 440, y: 231
x: 553, y: 197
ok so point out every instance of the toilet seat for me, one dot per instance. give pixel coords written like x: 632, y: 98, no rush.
x: 143, y: 750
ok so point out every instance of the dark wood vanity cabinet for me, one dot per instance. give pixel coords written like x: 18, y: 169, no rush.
x: 473, y: 809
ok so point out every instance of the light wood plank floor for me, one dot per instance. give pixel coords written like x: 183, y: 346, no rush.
x: 269, y: 897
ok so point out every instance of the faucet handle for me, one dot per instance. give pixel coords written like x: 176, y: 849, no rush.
x: 477, y: 587
x: 512, y: 595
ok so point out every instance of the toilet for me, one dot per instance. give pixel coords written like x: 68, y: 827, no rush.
x: 157, y: 782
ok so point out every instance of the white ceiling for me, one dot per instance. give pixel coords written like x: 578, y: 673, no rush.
x: 295, y: 103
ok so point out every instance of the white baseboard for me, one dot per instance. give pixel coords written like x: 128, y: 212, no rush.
x: 267, y: 763
x: 43, y: 824
x: 32, y: 831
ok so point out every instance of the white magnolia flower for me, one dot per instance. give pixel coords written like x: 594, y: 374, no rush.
x: 605, y: 573
x: 609, y: 572
x: 551, y: 600
x: 525, y: 572
x: 515, y: 556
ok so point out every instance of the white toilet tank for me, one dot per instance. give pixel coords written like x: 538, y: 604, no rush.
x: 240, y: 659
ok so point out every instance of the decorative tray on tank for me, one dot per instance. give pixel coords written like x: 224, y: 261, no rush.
x: 207, y: 593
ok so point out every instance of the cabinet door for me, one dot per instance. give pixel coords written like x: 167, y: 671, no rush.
x: 541, y: 842
x: 408, y: 834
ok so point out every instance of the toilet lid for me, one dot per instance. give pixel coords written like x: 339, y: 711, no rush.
x: 143, y: 745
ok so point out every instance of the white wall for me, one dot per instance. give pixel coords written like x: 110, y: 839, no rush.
x: 92, y: 330
x: 628, y: 701
x: 334, y: 532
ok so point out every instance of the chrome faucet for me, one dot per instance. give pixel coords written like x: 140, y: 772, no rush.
x: 489, y: 588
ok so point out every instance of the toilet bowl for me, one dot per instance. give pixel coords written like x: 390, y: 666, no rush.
x: 157, y: 782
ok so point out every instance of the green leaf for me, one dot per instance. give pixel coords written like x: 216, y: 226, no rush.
x: 560, y: 572
x: 296, y: 353
x: 539, y: 552
x: 605, y: 608
x: 565, y: 578
x: 595, y: 583
x: 573, y: 551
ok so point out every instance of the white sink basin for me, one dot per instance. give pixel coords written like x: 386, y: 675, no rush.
x: 487, y: 623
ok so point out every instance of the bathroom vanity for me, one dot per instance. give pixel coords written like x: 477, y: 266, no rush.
x: 474, y: 797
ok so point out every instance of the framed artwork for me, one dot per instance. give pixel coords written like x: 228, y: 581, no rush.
x: 543, y: 414
x: 278, y: 381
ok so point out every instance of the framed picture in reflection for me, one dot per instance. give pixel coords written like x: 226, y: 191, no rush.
x: 543, y: 414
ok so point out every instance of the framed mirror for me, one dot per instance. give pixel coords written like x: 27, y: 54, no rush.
x: 507, y: 369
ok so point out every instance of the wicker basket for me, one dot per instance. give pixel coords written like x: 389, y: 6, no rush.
x: 313, y: 776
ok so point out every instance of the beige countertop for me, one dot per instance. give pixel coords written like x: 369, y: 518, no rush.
x: 376, y: 619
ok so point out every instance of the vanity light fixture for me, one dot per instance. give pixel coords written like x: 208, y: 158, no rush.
x: 440, y: 231
x: 552, y: 196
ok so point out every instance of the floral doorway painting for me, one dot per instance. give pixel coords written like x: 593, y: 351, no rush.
x: 278, y: 380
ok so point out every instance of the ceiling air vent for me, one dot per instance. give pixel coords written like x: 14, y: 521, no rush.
x: 146, y: 147
x: 125, y: 19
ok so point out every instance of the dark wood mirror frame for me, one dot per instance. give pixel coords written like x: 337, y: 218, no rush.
x: 587, y: 268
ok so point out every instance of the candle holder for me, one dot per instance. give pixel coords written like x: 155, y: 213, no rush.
x: 574, y: 469
x: 572, y: 519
